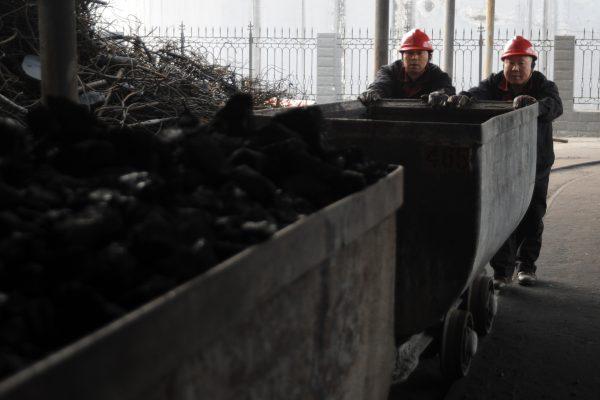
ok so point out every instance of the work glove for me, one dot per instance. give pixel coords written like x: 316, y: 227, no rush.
x: 435, y: 99
x: 458, y: 101
x: 523, y: 101
x: 369, y: 97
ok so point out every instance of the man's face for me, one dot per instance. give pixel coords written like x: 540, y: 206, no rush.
x: 415, y: 61
x: 517, y: 69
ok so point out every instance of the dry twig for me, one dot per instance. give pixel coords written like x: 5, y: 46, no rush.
x: 17, y: 107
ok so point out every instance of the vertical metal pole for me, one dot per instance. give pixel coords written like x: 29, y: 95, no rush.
x: 303, y: 15
x: 409, y: 6
x: 489, y: 42
x: 545, y: 37
x: 480, y: 29
x: 250, y: 50
x: 394, y: 27
x: 449, y: 37
x: 257, y: 23
x: 182, y: 38
x: 545, y: 17
x: 58, y: 49
x: 339, y: 14
x: 303, y: 49
x: 555, y: 12
x: 382, y: 22
x: 256, y: 12
x: 302, y: 54
x: 529, y: 17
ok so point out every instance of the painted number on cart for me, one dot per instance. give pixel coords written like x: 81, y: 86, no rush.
x: 448, y: 158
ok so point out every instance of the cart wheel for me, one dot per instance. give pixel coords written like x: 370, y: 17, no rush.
x: 459, y: 343
x: 482, y: 304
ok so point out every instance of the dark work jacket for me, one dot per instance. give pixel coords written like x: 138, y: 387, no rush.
x: 550, y: 107
x: 392, y: 82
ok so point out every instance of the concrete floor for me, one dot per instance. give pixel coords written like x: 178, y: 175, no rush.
x: 577, y: 151
x: 546, y: 339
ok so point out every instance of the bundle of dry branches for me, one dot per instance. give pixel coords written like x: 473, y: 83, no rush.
x: 124, y: 81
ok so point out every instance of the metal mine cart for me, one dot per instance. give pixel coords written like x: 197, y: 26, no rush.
x: 469, y: 177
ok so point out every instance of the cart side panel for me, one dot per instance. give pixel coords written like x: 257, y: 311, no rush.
x: 436, y: 238
x: 329, y: 334
x: 508, y: 177
x: 438, y: 224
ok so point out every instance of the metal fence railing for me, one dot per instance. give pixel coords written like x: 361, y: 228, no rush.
x: 586, y: 93
x: 289, y: 57
x: 283, y: 58
x: 286, y: 55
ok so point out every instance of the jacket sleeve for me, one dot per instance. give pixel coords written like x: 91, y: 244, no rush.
x: 383, y: 83
x: 481, y: 92
x: 443, y: 83
x: 550, y: 104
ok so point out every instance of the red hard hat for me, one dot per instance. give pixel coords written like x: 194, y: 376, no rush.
x: 518, y: 46
x: 415, y: 39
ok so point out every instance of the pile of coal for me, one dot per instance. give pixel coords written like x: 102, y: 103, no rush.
x: 95, y: 221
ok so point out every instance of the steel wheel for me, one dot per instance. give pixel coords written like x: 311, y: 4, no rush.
x: 482, y: 304
x: 459, y: 343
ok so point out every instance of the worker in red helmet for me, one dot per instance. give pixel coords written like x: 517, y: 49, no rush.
x: 523, y: 85
x: 411, y: 77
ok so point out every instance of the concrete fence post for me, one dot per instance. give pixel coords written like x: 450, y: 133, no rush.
x: 564, y: 69
x: 564, y: 77
x: 329, y: 68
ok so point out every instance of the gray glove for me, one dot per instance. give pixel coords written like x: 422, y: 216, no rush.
x: 369, y: 97
x: 437, y: 99
x: 458, y: 101
x: 523, y: 101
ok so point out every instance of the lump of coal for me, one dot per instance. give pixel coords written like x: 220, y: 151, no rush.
x: 308, y: 122
x: 234, y: 119
x: 256, y: 185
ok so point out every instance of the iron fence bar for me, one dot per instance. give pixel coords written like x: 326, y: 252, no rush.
x: 250, y: 52
x: 182, y: 38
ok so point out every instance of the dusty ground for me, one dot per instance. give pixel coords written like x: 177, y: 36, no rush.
x: 546, y: 339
